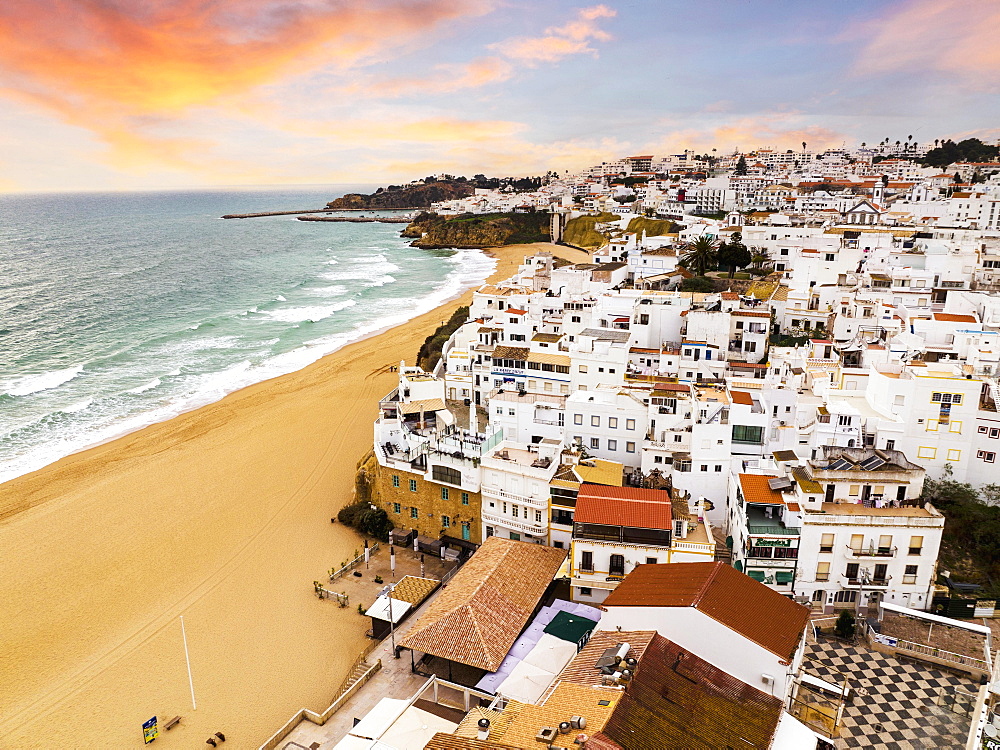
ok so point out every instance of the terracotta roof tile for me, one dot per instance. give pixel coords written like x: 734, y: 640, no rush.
x: 677, y: 700
x: 756, y: 490
x: 952, y: 318
x: 623, y: 506
x: 745, y: 606
x: 479, y: 615
x: 741, y: 397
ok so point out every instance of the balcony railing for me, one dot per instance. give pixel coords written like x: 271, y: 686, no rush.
x: 872, y: 583
x: 526, y: 527
x: 871, y: 551
x: 495, y: 492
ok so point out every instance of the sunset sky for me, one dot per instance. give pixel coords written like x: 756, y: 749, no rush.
x: 133, y: 94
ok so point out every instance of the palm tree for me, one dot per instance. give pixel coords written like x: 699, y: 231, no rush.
x: 701, y: 256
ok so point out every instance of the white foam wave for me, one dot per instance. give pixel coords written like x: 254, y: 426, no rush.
x: 80, y: 406
x: 149, y: 386
x: 380, y: 258
x: 280, y: 298
x: 381, y: 281
x: 332, y: 262
x: 310, y: 314
x: 43, y: 381
x: 336, y: 290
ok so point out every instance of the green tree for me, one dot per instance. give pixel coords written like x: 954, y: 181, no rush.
x: 845, y: 624
x: 701, y: 256
x: 698, y: 284
x: 741, y: 166
x: 760, y: 261
x: 734, y: 254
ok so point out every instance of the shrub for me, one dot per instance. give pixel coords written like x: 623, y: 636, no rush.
x: 845, y: 624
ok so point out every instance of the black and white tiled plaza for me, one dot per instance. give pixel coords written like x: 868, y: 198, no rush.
x: 897, y: 703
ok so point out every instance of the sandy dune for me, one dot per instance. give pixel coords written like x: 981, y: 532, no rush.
x: 221, y: 515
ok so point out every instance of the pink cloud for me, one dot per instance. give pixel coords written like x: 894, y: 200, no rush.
x: 957, y: 37
x: 558, y: 42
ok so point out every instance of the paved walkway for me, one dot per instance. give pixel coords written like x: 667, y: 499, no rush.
x: 394, y: 680
x: 897, y: 706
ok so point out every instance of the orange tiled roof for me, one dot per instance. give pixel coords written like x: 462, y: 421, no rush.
x: 756, y: 490
x: 733, y: 599
x: 479, y: 615
x: 952, y: 318
x: 623, y: 506
x: 741, y: 397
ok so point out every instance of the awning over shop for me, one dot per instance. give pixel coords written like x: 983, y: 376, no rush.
x: 783, y: 576
x: 757, y: 575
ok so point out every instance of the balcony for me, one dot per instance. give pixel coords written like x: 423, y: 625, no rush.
x: 871, y: 551
x: 496, y: 493
x: 873, y: 584
x: 514, y: 524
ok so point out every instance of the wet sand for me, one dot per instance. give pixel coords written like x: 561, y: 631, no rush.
x: 222, y: 516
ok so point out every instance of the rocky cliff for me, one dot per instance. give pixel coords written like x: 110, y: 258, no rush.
x: 415, y: 196
x: 478, y: 230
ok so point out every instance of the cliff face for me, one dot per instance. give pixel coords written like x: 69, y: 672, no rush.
x: 488, y: 230
x: 417, y: 196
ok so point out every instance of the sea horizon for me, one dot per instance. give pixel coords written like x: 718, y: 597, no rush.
x: 120, y: 310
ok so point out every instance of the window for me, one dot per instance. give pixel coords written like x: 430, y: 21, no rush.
x: 890, y: 445
x: 446, y: 521
x: 747, y: 433
x: 855, y: 490
x: 910, y: 574
x: 994, y: 432
x: 817, y: 595
x: 586, y: 591
x: 595, y: 443
x: 583, y: 368
x: 852, y: 571
x: 718, y: 468
x: 396, y: 508
x: 414, y: 513
x: 704, y: 467
x: 983, y: 429
x: 845, y: 596
x: 926, y: 452
x: 413, y: 485
x: 613, y: 423
x: 444, y: 493
x: 612, y: 445
x: 595, y: 421
x: 587, y: 561
x: 395, y: 480
x: 616, y: 566
x: 826, y: 543
x: 956, y: 426
x: 916, y: 545
x: 954, y: 454
x: 844, y: 421
x: 629, y: 424
x: 651, y: 561
x: 630, y: 447
x: 465, y: 498
x: 577, y: 419
x: 515, y: 511
x: 446, y: 474
x: 989, y: 457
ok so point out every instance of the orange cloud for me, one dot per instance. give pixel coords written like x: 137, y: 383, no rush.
x: 559, y: 41
x: 482, y: 71
x: 780, y: 131
x: 108, y: 67
x: 957, y: 37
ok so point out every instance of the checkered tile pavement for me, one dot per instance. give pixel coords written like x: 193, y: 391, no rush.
x: 896, y: 706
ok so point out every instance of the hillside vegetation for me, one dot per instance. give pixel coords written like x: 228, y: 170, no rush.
x: 652, y: 227
x: 477, y: 230
x: 580, y: 231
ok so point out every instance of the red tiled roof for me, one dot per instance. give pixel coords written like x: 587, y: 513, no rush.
x: 515, y: 311
x: 741, y: 397
x: 749, y: 314
x: 623, y: 506
x: 756, y: 490
x: 952, y: 318
x: 678, y: 700
x: 820, y: 341
x: 743, y: 605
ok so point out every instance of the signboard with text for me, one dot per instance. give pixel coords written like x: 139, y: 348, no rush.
x: 150, y: 731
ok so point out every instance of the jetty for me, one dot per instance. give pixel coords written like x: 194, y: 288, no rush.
x: 360, y: 219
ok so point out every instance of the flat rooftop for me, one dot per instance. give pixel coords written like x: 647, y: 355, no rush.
x: 856, y: 509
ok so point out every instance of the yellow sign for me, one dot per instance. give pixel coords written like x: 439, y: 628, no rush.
x: 150, y: 731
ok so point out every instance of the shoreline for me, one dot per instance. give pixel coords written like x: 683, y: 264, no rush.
x: 220, y: 514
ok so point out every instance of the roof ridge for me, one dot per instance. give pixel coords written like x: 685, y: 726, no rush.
x: 704, y: 586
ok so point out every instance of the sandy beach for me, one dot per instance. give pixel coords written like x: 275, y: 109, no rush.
x: 222, y: 516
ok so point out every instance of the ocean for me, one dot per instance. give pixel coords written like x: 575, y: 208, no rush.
x: 119, y: 310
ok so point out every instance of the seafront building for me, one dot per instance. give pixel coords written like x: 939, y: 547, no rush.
x: 730, y: 463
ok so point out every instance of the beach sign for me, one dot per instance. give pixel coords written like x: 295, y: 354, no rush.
x: 150, y: 731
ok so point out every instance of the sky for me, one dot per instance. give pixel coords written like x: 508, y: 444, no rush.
x: 161, y: 94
